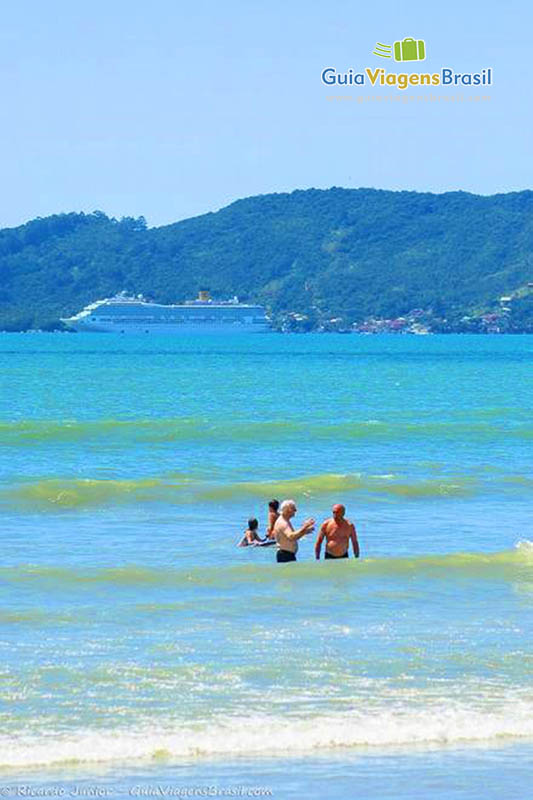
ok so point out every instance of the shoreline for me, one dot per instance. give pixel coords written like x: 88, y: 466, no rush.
x: 437, y: 772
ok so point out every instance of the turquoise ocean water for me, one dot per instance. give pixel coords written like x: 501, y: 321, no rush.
x: 140, y: 647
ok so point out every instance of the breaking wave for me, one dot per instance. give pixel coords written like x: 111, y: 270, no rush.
x: 80, y: 493
x: 124, y: 432
x: 515, y: 564
x: 238, y: 736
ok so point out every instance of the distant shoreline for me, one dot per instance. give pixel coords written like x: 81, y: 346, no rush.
x: 334, y: 260
x: 410, y: 334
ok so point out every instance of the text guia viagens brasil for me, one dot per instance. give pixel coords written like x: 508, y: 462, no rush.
x: 402, y: 80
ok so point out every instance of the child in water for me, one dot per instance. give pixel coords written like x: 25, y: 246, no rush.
x: 251, y: 536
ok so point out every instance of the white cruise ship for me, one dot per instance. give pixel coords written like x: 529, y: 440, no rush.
x: 126, y: 314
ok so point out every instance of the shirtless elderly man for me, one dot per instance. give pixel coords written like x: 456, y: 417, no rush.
x: 284, y: 533
x: 337, y: 531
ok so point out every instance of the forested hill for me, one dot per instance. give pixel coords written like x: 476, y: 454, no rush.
x: 349, y: 254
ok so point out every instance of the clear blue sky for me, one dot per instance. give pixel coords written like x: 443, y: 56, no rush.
x: 172, y: 109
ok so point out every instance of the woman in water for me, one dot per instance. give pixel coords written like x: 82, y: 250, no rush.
x: 273, y: 514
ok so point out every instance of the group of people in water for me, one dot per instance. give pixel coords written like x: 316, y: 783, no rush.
x: 337, y: 532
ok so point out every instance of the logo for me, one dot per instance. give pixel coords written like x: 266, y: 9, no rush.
x: 405, y: 50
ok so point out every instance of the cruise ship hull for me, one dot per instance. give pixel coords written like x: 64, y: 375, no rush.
x: 186, y: 329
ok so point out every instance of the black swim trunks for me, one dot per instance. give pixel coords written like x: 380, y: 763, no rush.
x: 330, y: 555
x: 285, y: 555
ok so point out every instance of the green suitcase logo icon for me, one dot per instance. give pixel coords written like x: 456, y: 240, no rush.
x: 410, y: 50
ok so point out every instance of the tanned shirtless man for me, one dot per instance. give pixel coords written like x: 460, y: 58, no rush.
x: 337, y: 531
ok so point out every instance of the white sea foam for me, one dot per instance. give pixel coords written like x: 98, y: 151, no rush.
x: 237, y: 736
x: 525, y: 547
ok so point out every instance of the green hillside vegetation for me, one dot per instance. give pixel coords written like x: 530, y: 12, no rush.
x: 352, y: 254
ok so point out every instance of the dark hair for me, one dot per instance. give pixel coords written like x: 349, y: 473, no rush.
x: 253, y: 524
x: 274, y: 505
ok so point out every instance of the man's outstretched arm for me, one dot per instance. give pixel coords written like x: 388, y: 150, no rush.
x: 305, y: 529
